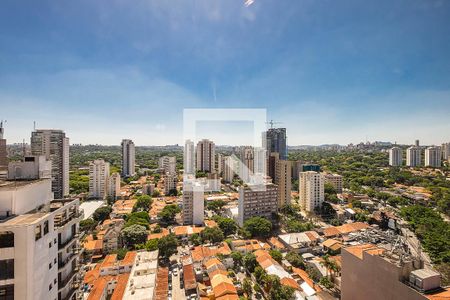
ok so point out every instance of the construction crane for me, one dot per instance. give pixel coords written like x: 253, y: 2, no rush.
x: 272, y: 122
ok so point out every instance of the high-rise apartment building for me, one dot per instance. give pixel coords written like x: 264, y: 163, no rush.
x: 229, y: 167
x: 413, y: 156
x: 282, y: 178
x: 189, y: 157
x: 54, y: 145
x: 433, y: 157
x: 275, y: 140
x: 257, y: 201
x: 170, y: 183
x: 445, y: 149
x: 193, y: 204
x: 128, y: 158
x: 113, y: 189
x: 206, y: 153
x: 3, y: 154
x: 168, y: 164
x: 395, y: 157
x: 219, y: 163
x: 98, y: 179
x: 311, y: 190
x: 335, y: 180
x: 39, y: 236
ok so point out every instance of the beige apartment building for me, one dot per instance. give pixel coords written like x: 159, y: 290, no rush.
x: 335, y: 180
x: 257, y: 201
x: 311, y: 190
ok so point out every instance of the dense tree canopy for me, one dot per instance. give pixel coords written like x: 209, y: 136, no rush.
x: 133, y: 235
x: 258, y: 227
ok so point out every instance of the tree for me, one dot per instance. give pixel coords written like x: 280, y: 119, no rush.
x: 138, y: 218
x: 121, y: 252
x: 216, y: 205
x: 195, y: 239
x: 151, y: 245
x: 212, y: 234
x: 324, y: 281
x: 249, y: 261
x: 276, y: 255
x: 101, y: 213
x: 227, y: 225
x: 143, y: 203
x: 156, y: 193
x: 260, y: 275
x: 295, y: 260
x: 247, y: 287
x: 168, y: 213
x: 87, y: 225
x: 167, y: 245
x: 237, y: 258
x: 258, y: 226
x: 135, y: 234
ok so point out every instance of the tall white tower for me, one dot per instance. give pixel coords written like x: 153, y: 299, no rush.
x: 395, y: 157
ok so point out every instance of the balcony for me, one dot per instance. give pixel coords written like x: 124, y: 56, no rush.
x: 62, y: 264
x: 62, y: 284
x: 68, y: 241
x: 62, y: 220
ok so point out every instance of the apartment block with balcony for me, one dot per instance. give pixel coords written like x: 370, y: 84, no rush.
x: 39, y: 242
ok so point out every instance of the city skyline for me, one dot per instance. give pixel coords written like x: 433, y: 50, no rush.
x: 380, y: 72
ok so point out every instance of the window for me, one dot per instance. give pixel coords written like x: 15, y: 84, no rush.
x: 7, y: 292
x: 45, y: 227
x: 6, y: 269
x: 50, y: 287
x: 37, y: 232
x: 50, y: 244
x: 6, y: 239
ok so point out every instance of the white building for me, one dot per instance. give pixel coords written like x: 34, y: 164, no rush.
x: 257, y: 201
x: 413, y: 156
x: 433, y: 157
x: 395, y: 157
x: 206, y: 153
x: 229, y: 165
x: 335, y: 180
x: 193, y: 204
x: 98, y: 179
x: 168, y: 164
x: 54, y: 145
x: 189, y: 157
x: 39, y: 243
x: 128, y: 158
x: 311, y: 190
x: 113, y: 188
x: 142, y: 280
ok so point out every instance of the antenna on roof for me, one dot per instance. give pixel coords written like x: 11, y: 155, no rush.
x: 272, y: 122
x: 34, y: 125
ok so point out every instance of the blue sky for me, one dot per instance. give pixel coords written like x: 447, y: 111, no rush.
x: 331, y: 71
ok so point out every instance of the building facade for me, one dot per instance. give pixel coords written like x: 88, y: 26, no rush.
x: 433, y: 157
x: 39, y: 241
x: 54, y: 145
x: 128, y: 158
x: 206, y: 153
x: 283, y: 179
x: 276, y: 141
x: 98, y: 179
x: 413, y: 156
x: 3, y: 153
x: 193, y: 204
x: 257, y: 201
x: 445, y: 149
x: 335, y: 180
x: 170, y: 183
x: 168, y: 164
x: 395, y: 157
x: 113, y: 188
x: 189, y: 157
x: 311, y: 190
